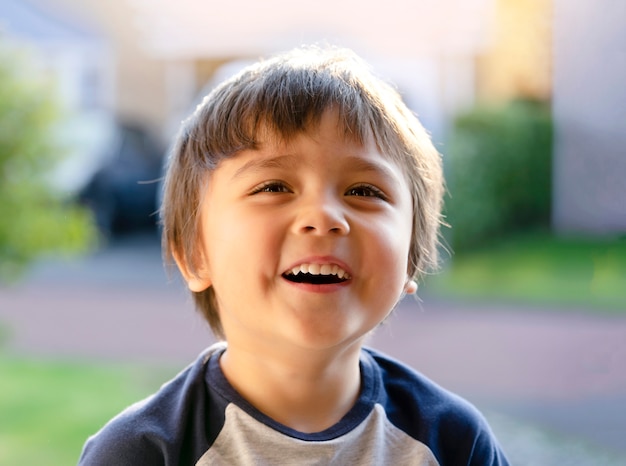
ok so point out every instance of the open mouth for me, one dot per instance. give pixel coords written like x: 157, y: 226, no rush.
x: 314, y: 279
x: 316, y: 274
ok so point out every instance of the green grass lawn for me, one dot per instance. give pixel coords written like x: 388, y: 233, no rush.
x: 541, y: 270
x: 48, y: 409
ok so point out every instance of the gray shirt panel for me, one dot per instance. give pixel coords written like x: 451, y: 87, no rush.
x: 246, y: 441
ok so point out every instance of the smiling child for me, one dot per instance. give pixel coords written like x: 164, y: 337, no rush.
x: 302, y: 201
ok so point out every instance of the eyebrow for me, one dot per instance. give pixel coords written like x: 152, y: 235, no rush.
x: 362, y: 166
x: 288, y: 161
x: 292, y: 162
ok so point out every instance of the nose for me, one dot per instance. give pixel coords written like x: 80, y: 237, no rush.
x: 321, y: 215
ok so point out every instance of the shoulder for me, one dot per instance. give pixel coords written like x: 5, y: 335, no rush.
x: 126, y: 439
x: 452, y: 427
x: 407, y: 386
x: 154, y: 429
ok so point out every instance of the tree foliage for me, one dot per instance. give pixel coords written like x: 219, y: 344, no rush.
x: 499, y: 172
x: 34, y: 217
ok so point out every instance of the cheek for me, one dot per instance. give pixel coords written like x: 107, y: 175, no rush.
x: 224, y: 241
x: 399, y: 233
x: 391, y: 257
x: 239, y: 242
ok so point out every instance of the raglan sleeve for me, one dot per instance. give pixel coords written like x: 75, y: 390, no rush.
x: 166, y: 428
x: 463, y: 436
x: 123, y: 443
x: 486, y: 450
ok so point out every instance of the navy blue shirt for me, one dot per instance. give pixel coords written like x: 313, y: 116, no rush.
x: 400, y: 417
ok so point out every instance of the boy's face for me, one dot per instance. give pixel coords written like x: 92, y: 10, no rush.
x: 319, y: 202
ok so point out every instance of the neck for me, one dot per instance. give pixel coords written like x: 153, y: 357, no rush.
x: 308, y: 391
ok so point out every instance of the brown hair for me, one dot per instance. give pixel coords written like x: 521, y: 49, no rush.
x: 287, y: 95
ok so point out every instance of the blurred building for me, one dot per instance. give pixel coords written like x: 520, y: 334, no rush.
x: 442, y: 55
x: 589, y: 105
x: 166, y: 51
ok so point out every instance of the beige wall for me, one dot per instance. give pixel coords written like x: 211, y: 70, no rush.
x: 518, y: 63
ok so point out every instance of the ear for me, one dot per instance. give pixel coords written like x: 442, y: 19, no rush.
x: 196, y: 282
x: 410, y: 287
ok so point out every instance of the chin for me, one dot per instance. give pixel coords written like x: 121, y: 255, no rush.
x: 333, y: 338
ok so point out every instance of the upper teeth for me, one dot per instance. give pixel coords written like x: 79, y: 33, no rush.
x: 320, y: 269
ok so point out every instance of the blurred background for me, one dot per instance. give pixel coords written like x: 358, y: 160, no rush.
x: 526, y: 101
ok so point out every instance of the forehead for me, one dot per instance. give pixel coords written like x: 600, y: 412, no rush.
x: 323, y: 145
x: 329, y: 130
x: 332, y: 127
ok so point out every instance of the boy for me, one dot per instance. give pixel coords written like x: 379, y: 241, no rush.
x: 302, y: 201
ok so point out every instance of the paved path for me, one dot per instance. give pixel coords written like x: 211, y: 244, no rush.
x: 552, y: 384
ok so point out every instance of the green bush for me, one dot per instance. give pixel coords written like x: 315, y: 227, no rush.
x: 34, y: 217
x: 499, y: 170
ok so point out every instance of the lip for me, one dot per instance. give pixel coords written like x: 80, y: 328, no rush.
x: 321, y: 260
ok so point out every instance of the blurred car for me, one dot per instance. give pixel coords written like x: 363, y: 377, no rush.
x: 123, y: 191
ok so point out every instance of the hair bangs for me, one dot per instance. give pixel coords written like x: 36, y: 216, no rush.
x: 283, y: 101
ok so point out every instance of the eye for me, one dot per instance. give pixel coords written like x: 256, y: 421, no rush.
x: 366, y: 190
x: 271, y: 187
